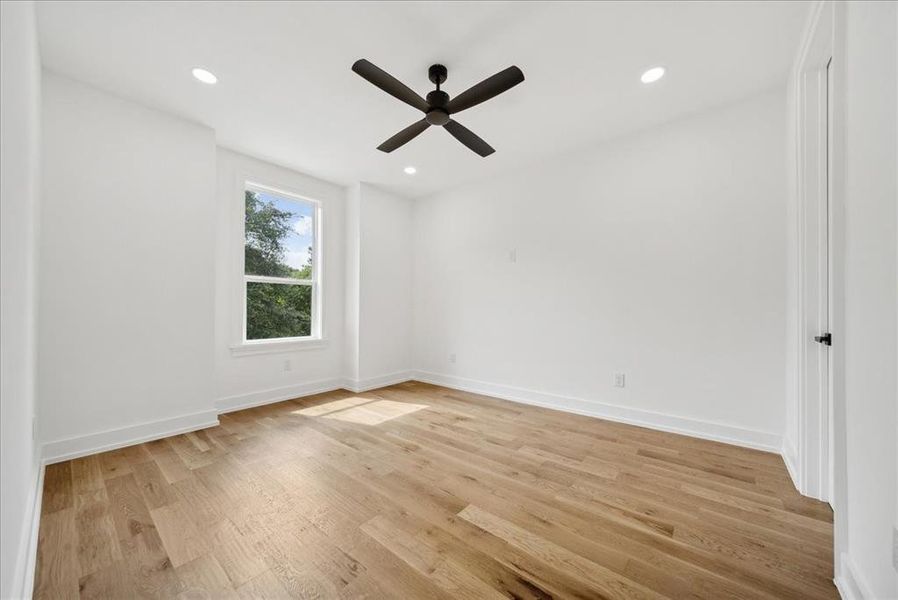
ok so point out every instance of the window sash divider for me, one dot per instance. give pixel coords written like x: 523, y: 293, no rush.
x: 281, y: 280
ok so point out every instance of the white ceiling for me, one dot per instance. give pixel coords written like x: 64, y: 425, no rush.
x: 286, y: 92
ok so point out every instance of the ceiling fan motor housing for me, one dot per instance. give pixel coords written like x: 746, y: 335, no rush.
x: 437, y: 115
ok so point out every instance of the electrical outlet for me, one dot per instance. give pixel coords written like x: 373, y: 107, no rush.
x: 287, y: 366
x: 452, y: 358
x: 620, y: 380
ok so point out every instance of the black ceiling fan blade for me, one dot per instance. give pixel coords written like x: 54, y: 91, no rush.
x: 389, y: 84
x: 468, y: 138
x: 486, y: 89
x: 404, y: 136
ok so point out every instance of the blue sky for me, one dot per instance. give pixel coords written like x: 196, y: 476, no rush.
x: 299, y: 242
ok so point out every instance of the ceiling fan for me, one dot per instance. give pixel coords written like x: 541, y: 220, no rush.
x: 438, y: 108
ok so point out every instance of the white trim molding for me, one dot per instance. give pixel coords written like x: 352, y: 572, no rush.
x: 75, y: 447
x: 111, y: 439
x: 23, y: 576
x: 372, y: 383
x: 790, y: 458
x: 255, y: 176
x: 60, y: 450
x: 718, y: 432
x: 849, y: 582
x: 279, y: 394
x: 253, y: 348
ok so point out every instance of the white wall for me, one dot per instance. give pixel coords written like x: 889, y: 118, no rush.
x: 20, y: 75
x: 143, y: 241
x: 379, y: 288
x: 660, y: 255
x: 352, y: 291
x: 385, y: 285
x: 871, y: 356
x: 126, y: 269
x: 241, y: 379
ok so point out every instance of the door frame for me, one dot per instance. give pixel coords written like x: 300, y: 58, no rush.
x: 819, y: 252
x: 817, y: 459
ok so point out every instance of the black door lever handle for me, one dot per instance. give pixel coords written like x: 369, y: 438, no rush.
x: 826, y: 339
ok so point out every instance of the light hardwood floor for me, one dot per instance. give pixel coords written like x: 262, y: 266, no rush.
x: 417, y: 491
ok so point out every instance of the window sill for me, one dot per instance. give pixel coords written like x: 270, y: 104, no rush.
x: 277, y: 347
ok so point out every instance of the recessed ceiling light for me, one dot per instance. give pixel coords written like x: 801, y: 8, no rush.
x: 410, y: 170
x: 204, y: 76
x: 652, y: 75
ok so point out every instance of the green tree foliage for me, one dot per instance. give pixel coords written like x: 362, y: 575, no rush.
x: 266, y: 229
x: 278, y: 310
x: 273, y: 310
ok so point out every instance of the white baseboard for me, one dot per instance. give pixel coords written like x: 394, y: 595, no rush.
x: 849, y: 582
x: 372, y: 383
x: 23, y: 575
x: 60, y: 450
x: 719, y: 432
x: 790, y: 457
x: 272, y: 395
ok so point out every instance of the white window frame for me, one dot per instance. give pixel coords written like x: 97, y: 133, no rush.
x: 316, y: 338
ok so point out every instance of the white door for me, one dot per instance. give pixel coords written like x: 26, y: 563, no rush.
x: 815, y: 428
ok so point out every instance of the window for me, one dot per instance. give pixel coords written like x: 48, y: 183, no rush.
x: 280, y: 266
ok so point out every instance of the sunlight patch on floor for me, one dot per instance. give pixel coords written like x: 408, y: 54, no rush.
x: 329, y: 407
x: 375, y: 413
x: 364, y: 411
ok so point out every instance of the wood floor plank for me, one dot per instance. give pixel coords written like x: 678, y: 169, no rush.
x: 170, y: 464
x: 129, y: 511
x: 205, y: 508
x: 57, y: 488
x: 180, y: 537
x: 203, y: 575
x: 418, y: 491
x: 149, y: 566
x: 156, y: 490
x: 446, y: 574
x: 683, y: 514
x: 58, y: 570
x: 604, y: 580
x: 98, y: 545
x: 264, y: 586
x: 87, y: 474
x: 285, y: 556
x: 116, y: 463
x: 235, y: 553
x: 111, y: 581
